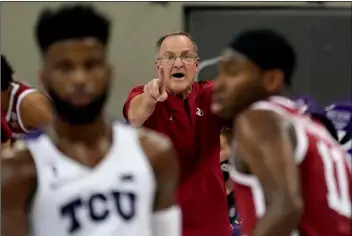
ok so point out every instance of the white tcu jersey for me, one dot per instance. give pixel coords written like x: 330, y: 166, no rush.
x: 113, y: 199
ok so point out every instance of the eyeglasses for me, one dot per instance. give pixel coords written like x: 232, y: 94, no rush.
x: 170, y: 58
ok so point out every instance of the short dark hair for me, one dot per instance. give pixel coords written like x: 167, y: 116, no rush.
x: 70, y: 22
x: 6, y: 74
x: 177, y: 33
x: 268, y: 50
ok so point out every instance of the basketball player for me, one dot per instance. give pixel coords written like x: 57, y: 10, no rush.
x: 289, y: 173
x: 87, y: 176
x: 26, y: 108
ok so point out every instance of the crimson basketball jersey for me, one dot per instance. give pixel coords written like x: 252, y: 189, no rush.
x: 18, y: 91
x: 325, y: 175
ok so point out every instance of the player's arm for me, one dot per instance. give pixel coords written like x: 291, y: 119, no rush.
x: 167, y: 215
x: 36, y: 110
x: 18, y: 183
x: 266, y: 142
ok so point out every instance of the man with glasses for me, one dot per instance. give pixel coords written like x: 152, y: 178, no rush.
x: 176, y: 105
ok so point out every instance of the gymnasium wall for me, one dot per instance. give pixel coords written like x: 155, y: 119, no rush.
x: 136, y: 27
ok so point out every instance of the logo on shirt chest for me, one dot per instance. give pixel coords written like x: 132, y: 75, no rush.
x: 199, y: 112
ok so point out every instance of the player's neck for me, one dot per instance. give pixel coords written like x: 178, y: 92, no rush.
x: 85, y: 133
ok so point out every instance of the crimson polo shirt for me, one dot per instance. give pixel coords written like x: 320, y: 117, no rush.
x: 195, y: 131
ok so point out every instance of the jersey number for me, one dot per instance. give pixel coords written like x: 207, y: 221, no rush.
x: 338, y: 187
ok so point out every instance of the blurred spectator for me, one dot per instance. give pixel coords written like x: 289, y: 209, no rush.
x: 340, y: 113
x: 225, y: 154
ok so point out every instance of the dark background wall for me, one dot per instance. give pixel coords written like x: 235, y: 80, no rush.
x: 320, y: 36
x: 137, y: 26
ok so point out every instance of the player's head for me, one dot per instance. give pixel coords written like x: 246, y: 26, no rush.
x: 177, y: 54
x: 256, y: 64
x: 76, y: 74
x: 6, y: 74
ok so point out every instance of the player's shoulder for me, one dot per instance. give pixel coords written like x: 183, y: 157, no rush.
x: 17, y: 164
x: 157, y: 147
x: 34, y: 96
x: 154, y: 142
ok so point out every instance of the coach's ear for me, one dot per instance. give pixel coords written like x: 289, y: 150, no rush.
x: 157, y: 64
x: 197, y: 64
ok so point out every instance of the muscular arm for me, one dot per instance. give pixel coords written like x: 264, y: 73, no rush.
x: 18, y: 183
x: 167, y: 215
x: 36, y: 110
x: 266, y: 143
x: 140, y: 109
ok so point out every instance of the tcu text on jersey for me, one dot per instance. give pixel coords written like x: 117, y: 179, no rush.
x: 114, y: 198
x: 98, y: 207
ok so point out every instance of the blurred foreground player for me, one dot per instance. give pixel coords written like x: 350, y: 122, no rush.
x: 289, y: 173
x: 25, y: 108
x: 87, y: 176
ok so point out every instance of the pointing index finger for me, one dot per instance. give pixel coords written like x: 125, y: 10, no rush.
x: 161, y: 76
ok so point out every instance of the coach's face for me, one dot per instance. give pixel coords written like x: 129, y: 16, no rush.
x: 177, y: 56
x: 76, y: 76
